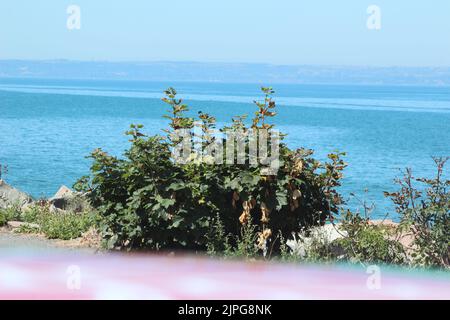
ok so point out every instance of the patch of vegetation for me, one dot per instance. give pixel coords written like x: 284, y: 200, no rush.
x: 32, y: 213
x: 65, y: 226
x: 249, y: 243
x: 358, y: 242
x: 425, y: 213
x: 148, y: 200
x: 11, y: 213
x: 218, y: 241
x: 61, y: 225
x: 368, y: 243
x: 28, y: 229
x: 3, y: 218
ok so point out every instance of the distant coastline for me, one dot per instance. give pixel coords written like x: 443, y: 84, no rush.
x: 225, y: 72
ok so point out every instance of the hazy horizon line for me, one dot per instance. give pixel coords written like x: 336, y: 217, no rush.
x: 230, y: 63
x: 225, y: 72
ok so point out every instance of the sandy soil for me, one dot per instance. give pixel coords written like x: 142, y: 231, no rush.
x: 11, y: 240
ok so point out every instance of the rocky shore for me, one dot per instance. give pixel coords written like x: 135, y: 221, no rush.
x: 65, y: 201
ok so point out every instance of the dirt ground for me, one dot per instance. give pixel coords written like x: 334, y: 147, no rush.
x: 12, y: 240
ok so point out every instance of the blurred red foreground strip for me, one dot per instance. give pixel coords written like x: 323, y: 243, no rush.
x: 117, y: 276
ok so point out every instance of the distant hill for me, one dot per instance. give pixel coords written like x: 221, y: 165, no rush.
x: 225, y: 72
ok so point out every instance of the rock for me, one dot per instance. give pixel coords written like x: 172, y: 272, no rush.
x: 332, y: 232
x: 53, y: 209
x: 18, y: 224
x: 62, y: 192
x: 67, y: 200
x: 10, y: 196
x: 324, y: 235
x: 385, y: 222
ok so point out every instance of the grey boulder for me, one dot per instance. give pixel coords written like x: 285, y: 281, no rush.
x: 67, y: 200
x: 10, y: 196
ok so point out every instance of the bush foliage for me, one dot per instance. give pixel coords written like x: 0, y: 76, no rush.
x: 365, y: 242
x: 425, y: 213
x: 148, y: 200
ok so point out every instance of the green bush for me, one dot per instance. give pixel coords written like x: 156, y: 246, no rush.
x: 355, y: 240
x: 11, y: 213
x: 3, y: 219
x: 352, y: 237
x: 15, y: 213
x: 65, y: 226
x: 368, y: 243
x: 218, y: 241
x: 32, y: 214
x: 219, y: 244
x: 148, y: 200
x: 27, y: 229
x: 425, y: 213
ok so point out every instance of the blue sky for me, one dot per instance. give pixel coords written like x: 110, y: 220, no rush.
x: 319, y: 32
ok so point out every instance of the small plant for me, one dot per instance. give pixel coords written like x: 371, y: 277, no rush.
x: 11, y: 213
x: 425, y: 213
x: 27, y: 229
x: 34, y: 212
x: 366, y: 242
x: 246, y: 242
x: 285, y: 251
x: 218, y: 241
x: 65, y: 226
x: 369, y: 243
x: 3, y: 219
x: 247, y: 245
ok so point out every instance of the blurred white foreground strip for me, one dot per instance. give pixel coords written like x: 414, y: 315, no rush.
x: 35, y: 275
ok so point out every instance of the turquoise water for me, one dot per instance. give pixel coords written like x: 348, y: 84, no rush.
x: 47, y: 127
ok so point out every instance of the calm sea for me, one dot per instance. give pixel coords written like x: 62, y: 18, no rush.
x: 47, y: 127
